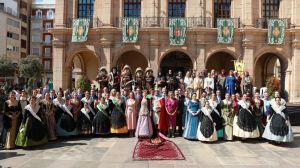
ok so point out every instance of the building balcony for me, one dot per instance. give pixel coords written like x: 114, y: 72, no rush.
x: 163, y: 22
x: 94, y: 22
x: 9, y: 11
x: 46, y: 42
x: 43, y: 17
x: 158, y: 22
x: 262, y: 23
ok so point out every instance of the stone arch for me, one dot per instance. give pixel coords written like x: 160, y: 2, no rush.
x: 177, y: 60
x: 220, y: 59
x: 73, y: 51
x: 125, y: 49
x: 133, y: 58
x: 82, y: 61
x: 168, y: 51
x: 270, y: 62
x: 215, y: 50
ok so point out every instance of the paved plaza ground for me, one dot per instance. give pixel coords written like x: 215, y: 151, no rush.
x: 116, y: 152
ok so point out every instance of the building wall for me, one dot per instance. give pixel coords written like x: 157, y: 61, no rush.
x: 10, y: 47
x: 39, y: 29
x: 250, y: 42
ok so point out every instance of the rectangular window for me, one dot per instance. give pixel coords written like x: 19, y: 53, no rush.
x: 13, y: 23
x: 47, y: 39
x: 36, y: 38
x: 36, y: 26
x: 9, y: 48
x: 23, y: 31
x: 23, y: 44
x: 13, y: 35
x: 132, y: 8
x: 85, y: 9
x: 47, y: 65
x: 270, y: 9
x: 48, y: 25
x: 176, y: 8
x: 47, y: 52
x: 221, y: 9
x: 35, y: 51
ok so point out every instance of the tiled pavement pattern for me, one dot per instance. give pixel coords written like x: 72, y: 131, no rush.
x: 117, y: 153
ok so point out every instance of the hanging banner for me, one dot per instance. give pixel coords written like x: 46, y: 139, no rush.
x: 276, y: 31
x: 130, y: 30
x: 225, y: 30
x: 80, y: 30
x: 177, y: 31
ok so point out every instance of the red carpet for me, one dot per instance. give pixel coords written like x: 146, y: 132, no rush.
x: 167, y: 150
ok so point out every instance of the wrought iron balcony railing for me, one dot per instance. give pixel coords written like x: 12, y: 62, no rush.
x: 236, y: 21
x: 263, y: 22
x: 162, y: 22
x: 94, y: 22
x: 40, y: 17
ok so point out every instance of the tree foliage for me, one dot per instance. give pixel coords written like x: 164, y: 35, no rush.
x: 83, y: 83
x: 7, y: 68
x: 32, y: 69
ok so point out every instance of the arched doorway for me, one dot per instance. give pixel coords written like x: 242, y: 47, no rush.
x: 269, y: 65
x: 176, y: 61
x: 84, y: 63
x: 134, y: 59
x: 219, y: 61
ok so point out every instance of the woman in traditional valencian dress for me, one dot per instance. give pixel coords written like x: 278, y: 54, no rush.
x: 65, y: 122
x: 89, y: 100
x: 193, y: 109
x: 131, y: 114
x: 23, y: 100
x: 216, y: 115
x: 11, y: 121
x: 32, y: 131
x: 48, y: 117
x: 278, y: 126
x: 118, y: 119
x: 76, y: 106
x: 144, y: 126
x: 171, y: 109
x: 228, y: 114
x: 244, y: 123
x: 259, y: 111
x: 101, y: 122
x: 207, y: 127
x: 85, y: 120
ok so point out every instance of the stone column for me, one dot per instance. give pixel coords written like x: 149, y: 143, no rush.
x: 248, y: 47
x: 200, y: 57
x: 295, y: 19
x: 60, y: 13
x: 154, y: 58
x: 59, y: 67
x: 103, y: 11
x: 194, y: 8
x: 295, y: 82
x: 247, y: 13
x: 106, y: 57
x: 150, y: 8
x: 163, y: 8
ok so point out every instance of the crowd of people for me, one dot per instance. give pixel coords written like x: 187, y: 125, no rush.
x: 208, y: 106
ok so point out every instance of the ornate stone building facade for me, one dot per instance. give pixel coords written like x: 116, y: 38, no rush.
x: 200, y: 51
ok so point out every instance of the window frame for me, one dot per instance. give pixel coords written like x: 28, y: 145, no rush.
x: 85, y: 8
x: 176, y: 8
x: 132, y: 8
